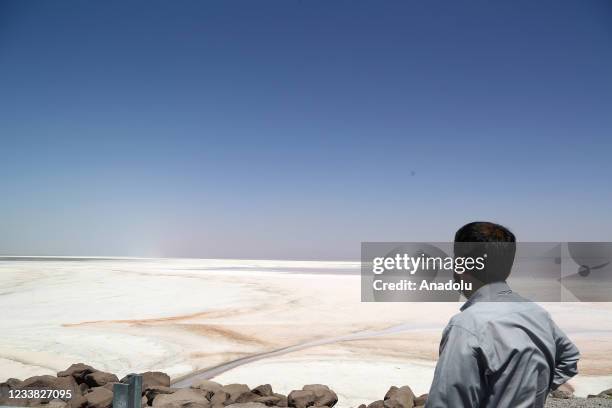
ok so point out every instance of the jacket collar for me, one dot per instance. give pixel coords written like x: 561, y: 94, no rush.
x: 492, y: 292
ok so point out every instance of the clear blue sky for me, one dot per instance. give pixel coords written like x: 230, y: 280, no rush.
x: 298, y: 129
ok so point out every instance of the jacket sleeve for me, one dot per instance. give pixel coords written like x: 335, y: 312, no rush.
x: 459, y: 376
x: 566, y: 358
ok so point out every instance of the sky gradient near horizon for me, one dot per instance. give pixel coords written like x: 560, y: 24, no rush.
x: 298, y: 129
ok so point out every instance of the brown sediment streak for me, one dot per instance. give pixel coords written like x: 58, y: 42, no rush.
x: 210, y: 315
x: 213, y: 314
x: 208, y: 330
x: 220, y: 331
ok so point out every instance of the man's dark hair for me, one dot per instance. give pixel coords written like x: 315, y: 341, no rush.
x: 494, y: 242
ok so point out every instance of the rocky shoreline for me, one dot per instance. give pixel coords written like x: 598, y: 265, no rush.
x: 82, y: 386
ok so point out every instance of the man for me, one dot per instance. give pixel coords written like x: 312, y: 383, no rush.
x: 501, y: 351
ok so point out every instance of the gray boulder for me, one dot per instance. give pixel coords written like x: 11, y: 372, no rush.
x: 152, y: 379
x: 155, y: 379
x: 213, y: 391
x: 248, y: 397
x: 401, y: 397
x: 605, y: 393
x: 77, y: 371
x: 84, y: 388
x: 324, y: 396
x: 264, y: 390
x: 151, y: 393
x: 100, y: 378
x: 420, y: 400
x: 78, y: 401
x: 283, y: 400
x: 219, y: 398
x: 561, y: 394
x: 235, y: 391
x: 247, y: 405
x: 268, y: 400
x: 41, y: 382
x: 109, y: 386
x: 301, y: 398
x: 56, y: 403
x: 564, y: 391
x: 183, y: 398
x: 99, y: 397
x: 207, y: 385
x: 8, y: 385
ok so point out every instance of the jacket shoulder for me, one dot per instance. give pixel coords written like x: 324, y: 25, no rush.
x: 482, y: 316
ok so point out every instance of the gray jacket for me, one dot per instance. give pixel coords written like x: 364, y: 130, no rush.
x: 501, y: 351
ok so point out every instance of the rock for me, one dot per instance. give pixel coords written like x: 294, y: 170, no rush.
x: 56, y: 403
x: 264, y: 390
x: 420, y: 400
x: 219, y: 398
x: 100, y: 378
x: 402, y: 397
x: 77, y: 371
x: 183, y: 398
x: 301, y: 398
x: 392, y: 403
x: 99, y: 397
x: 8, y: 385
x: 110, y: 385
x: 283, y: 402
x: 247, y: 397
x: 268, y: 400
x: 604, y: 394
x: 207, y: 385
x: 377, y: 404
x: 247, y: 405
x: 391, y: 392
x: 151, y: 393
x: 155, y: 378
x: 42, y: 382
x: 324, y: 396
x: 78, y: 401
x: 13, y: 382
x: 152, y: 379
x: 562, y: 393
x: 362, y: 406
x: 235, y: 391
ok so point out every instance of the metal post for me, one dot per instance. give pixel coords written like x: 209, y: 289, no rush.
x: 135, y: 390
x: 121, y: 395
